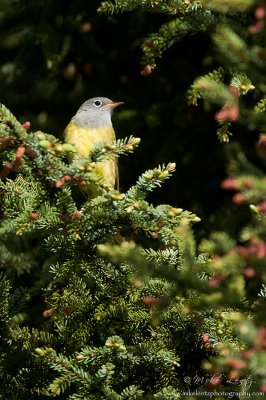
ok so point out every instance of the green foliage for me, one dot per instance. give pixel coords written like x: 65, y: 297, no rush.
x: 100, y: 319
x: 212, y: 89
x: 111, y: 297
x: 236, y: 51
x: 191, y: 18
x: 261, y: 105
x: 114, y: 316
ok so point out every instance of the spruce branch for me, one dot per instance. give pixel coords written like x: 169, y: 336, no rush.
x: 19, y: 261
x: 69, y: 372
x: 242, y: 83
x: 131, y: 253
x: 261, y: 105
x: 171, y: 32
x: 170, y: 256
x: 157, y: 43
x: 223, y: 132
x: 131, y: 392
x: 159, y: 6
x: 83, y: 171
x: 8, y: 123
x: 232, y: 46
x: 192, y: 19
x: 262, y: 292
x: 210, y: 90
x: 120, y: 146
x: 4, y: 303
x: 194, y: 93
x: 110, y: 7
x: 148, y: 181
x: 228, y: 6
x: 121, y: 319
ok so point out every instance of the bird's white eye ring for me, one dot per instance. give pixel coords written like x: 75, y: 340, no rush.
x: 97, y: 103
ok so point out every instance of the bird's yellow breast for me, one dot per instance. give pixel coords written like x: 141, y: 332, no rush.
x: 84, y: 140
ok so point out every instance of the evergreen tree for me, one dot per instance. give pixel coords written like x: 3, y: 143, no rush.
x: 95, y: 324
x: 111, y: 297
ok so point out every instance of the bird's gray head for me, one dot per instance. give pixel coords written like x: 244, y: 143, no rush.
x: 95, y: 112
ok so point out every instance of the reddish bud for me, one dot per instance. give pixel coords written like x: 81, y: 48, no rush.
x: 154, y: 235
x: 86, y: 27
x: 205, y: 337
x: 260, y: 12
x: 149, y: 301
x: 33, y: 216
x: 207, y: 346
x: 249, y: 272
x: 31, y: 153
x: 227, y: 113
x: 77, y: 214
x: 20, y: 152
x: 160, y: 223
x: 68, y: 310
x: 256, y: 28
x: 243, y: 251
x: 26, y: 125
x: 62, y: 181
x: 80, y: 180
x: 236, y: 363
x: 248, y: 183
x: 48, y: 313
x: 234, y: 91
x: 261, y: 338
x: 5, y: 142
x: 70, y: 71
x: 215, y: 281
x: 263, y: 388
x: 262, y: 207
x: 147, y: 70
x: 5, y: 171
x: 229, y: 184
x: 261, y: 143
x: 17, y: 164
x: 261, y: 250
x: 238, y: 198
x: 247, y: 353
x: 67, y: 178
x: 59, y: 183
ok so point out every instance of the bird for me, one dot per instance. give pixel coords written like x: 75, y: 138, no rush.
x: 92, y: 126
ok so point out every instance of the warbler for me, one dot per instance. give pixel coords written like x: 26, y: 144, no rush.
x: 92, y: 126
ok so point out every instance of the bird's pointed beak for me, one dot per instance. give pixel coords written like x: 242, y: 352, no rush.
x: 110, y: 106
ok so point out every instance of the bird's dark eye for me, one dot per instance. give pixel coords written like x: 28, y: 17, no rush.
x: 97, y: 103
